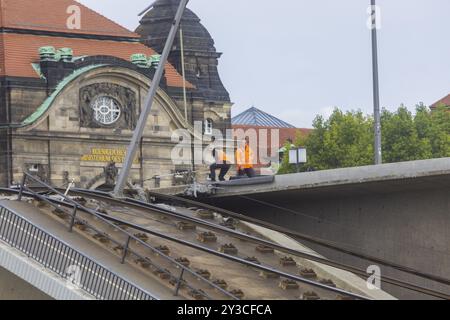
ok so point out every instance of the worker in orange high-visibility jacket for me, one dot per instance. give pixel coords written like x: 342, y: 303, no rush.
x: 244, y: 159
x: 221, y: 162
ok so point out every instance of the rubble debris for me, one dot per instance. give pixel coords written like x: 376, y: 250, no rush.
x: 207, y: 237
x: 102, y: 211
x: 228, y: 249
x: 39, y: 204
x: 204, y: 214
x: 94, y: 201
x: 102, y: 237
x: 264, y: 249
x: 144, y: 263
x: 197, y: 294
x: 163, y: 249
x: 253, y: 260
x: 204, y: 273
x: 120, y: 225
x: 328, y: 282
x: 238, y: 293
x: 174, y: 282
x: 60, y: 213
x: 308, y: 273
x: 80, y: 225
x: 229, y: 223
x: 183, y: 261
x: 142, y: 236
x: 80, y: 200
x: 185, y: 226
x: 288, y: 284
x: 120, y: 249
x: 310, y: 295
x: 340, y: 297
x: 221, y: 284
x: 163, y: 274
x: 288, y: 262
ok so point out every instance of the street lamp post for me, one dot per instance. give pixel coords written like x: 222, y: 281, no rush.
x: 376, y: 87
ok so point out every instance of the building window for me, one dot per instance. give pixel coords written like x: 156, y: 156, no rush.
x: 106, y: 110
x: 209, y: 124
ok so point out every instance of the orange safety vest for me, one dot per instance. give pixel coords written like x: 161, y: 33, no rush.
x: 221, y: 156
x: 244, y: 158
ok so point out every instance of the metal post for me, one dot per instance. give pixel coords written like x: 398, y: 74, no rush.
x: 72, y: 221
x: 179, y: 283
x: 138, y: 132
x: 376, y: 88
x: 22, y: 186
x: 125, y: 250
x: 183, y: 71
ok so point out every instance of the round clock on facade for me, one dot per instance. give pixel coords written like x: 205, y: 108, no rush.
x: 106, y: 110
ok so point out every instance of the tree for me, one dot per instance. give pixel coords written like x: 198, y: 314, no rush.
x: 435, y: 127
x: 341, y: 141
x: 346, y: 139
x: 400, y: 139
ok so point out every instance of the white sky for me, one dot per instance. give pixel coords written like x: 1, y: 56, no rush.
x: 299, y: 58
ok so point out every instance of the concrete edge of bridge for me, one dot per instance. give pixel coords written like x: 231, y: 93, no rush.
x: 36, y: 275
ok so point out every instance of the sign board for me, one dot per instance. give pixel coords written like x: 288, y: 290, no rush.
x: 107, y: 155
x: 302, y: 155
x: 293, y: 156
x: 297, y: 156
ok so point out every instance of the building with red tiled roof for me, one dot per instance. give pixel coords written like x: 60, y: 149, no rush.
x: 443, y: 102
x: 265, y: 127
x: 73, y: 84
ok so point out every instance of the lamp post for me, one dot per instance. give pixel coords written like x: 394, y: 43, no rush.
x: 376, y: 88
x: 139, y: 131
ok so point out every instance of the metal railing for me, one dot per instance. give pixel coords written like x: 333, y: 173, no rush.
x: 55, y: 255
x: 126, y: 250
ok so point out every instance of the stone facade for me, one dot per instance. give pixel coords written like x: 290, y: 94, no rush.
x: 60, y: 147
x: 80, y: 114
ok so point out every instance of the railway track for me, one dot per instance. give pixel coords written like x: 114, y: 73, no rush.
x: 146, y: 210
x: 305, y: 255
x: 263, y: 271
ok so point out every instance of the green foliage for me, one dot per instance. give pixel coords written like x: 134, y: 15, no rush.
x: 346, y: 139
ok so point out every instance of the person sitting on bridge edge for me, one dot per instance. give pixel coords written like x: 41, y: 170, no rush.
x: 244, y: 159
x: 221, y: 162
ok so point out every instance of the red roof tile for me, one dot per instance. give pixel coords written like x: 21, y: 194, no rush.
x: 444, y: 101
x: 52, y: 15
x: 21, y: 50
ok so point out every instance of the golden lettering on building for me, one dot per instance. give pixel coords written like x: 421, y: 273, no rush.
x: 106, y: 155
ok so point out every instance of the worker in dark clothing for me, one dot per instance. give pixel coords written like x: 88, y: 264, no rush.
x: 221, y: 162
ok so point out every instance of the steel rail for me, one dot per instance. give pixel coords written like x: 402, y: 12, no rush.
x: 143, y: 205
x: 302, y: 236
x: 205, y: 249
x: 102, y: 217
x: 307, y: 256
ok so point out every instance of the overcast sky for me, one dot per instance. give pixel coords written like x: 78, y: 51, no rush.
x: 299, y: 58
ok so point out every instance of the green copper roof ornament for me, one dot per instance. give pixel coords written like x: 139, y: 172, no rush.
x: 65, y: 54
x: 47, y: 53
x: 139, y: 59
x: 154, y: 60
